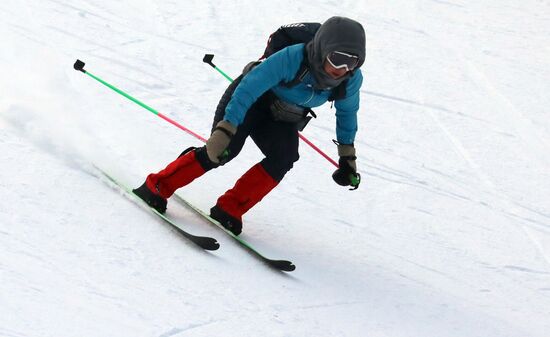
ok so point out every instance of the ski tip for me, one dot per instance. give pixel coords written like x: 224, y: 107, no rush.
x: 208, y: 243
x: 283, y: 265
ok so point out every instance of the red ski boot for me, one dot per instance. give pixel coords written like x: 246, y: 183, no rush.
x: 255, y: 184
x: 160, y: 186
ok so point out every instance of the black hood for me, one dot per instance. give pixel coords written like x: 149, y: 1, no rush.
x: 336, y: 34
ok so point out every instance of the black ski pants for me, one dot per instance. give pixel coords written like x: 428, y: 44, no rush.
x: 278, y: 141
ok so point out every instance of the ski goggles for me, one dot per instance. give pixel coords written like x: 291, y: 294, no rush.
x: 340, y: 60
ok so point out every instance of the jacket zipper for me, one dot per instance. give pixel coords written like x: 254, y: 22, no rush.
x: 310, y: 98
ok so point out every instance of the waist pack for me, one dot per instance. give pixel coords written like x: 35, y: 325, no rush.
x: 282, y: 111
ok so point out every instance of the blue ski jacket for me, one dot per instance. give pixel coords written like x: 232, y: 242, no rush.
x: 281, y: 68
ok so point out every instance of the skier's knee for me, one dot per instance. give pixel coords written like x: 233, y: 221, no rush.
x: 277, y: 169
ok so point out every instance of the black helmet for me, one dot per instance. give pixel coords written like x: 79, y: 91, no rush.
x: 337, y: 34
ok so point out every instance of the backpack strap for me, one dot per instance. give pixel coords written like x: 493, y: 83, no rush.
x: 302, y: 72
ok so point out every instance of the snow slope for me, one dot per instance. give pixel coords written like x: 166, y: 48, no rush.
x: 448, y: 235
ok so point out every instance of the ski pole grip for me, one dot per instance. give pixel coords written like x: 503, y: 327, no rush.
x: 79, y: 65
x: 208, y: 59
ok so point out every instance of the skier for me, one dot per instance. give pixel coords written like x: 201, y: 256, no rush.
x: 270, y: 102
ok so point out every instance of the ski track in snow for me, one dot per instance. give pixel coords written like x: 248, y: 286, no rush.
x: 449, y: 234
x: 477, y: 169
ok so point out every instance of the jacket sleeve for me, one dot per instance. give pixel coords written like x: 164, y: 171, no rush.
x: 279, y: 67
x: 346, y: 110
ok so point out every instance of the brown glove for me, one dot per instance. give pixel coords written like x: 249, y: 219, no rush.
x: 216, y: 145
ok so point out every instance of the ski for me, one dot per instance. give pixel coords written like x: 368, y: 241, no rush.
x: 283, y: 265
x: 204, y: 242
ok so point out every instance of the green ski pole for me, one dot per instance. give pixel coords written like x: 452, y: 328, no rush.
x: 79, y: 65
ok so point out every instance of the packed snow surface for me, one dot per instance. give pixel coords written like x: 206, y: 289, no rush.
x: 448, y: 234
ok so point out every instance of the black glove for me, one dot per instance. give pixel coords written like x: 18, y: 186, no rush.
x: 346, y: 174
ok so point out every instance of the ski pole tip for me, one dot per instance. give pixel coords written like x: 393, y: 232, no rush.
x: 208, y: 59
x: 79, y: 65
